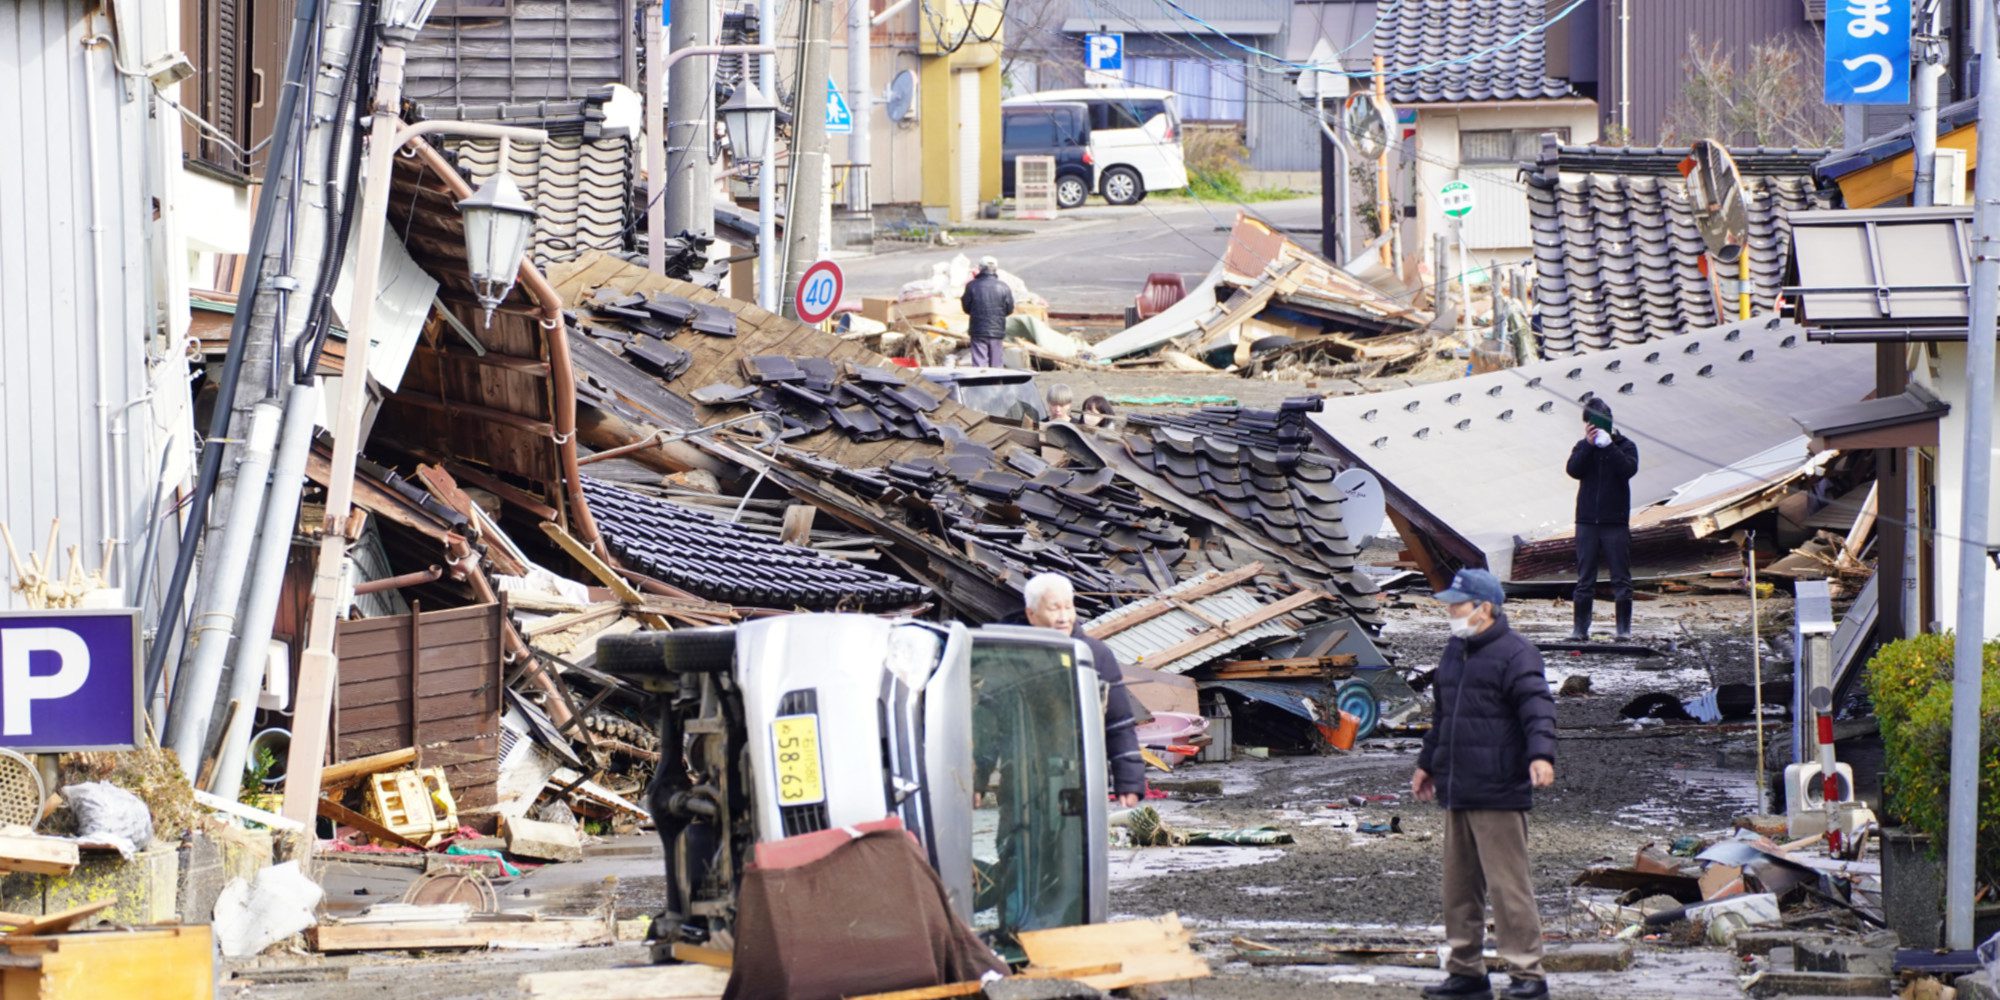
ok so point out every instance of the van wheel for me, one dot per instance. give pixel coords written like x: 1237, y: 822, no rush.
x: 1071, y: 191
x: 1121, y: 186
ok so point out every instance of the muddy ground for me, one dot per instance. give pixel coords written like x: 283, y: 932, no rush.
x: 1617, y: 788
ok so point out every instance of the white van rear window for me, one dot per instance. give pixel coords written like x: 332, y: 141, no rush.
x: 1125, y: 112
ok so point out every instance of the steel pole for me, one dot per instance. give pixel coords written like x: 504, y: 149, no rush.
x: 1963, y: 831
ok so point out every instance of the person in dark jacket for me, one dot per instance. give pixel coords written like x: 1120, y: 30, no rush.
x: 1051, y: 604
x: 1603, y: 464
x: 987, y: 303
x: 1492, y: 742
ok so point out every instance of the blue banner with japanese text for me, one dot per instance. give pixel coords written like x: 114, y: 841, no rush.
x: 1868, y: 51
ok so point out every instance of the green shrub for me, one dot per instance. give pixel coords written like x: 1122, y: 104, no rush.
x: 1910, y: 683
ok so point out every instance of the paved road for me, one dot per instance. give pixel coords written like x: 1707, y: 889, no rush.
x: 1095, y: 259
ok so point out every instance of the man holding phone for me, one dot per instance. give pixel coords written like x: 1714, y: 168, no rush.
x: 1603, y: 464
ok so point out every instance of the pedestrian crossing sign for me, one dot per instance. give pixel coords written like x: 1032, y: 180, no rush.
x: 839, y: 120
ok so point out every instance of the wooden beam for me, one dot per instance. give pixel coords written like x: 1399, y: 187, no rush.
x: 1158, y: 607
x: 1148, y: 951
x: 423, y: 935
x: 595, y: 612
x: 27, y: 852
x: 504, y: 490
x: 622, y: 589
x: 1420, y: 550
x: 335, y: 775
x: 713, y: 957
x: 473, y: 411
x: 62, y: 920
x: 341, y: 814
x: 968, y: 989
x: 646, y: 982
x: 251, y: 813
x: 1864, y: 523
x: 1197, y: 643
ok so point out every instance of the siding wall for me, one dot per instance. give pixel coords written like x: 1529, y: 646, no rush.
x: 451, y: 660
x: 549, y: 50
x: 1659, y: 34
x: 54, y: 463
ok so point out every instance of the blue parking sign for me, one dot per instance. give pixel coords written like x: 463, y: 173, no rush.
x: 1868, y: 52
x: 1104, y: 53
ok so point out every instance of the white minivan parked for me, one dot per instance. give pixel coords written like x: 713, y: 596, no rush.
x: 1135, y: 138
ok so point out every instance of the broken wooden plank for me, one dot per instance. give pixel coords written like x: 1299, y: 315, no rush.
x: 334, y: 775
x: 1197, y: 643
x: 647, y: 982
x: 28, y: 852
x: 1864, y: 524
x: 1148, y: 951
x: 341, y: 814
x: 715, y: 957
x: 573, y: 619
x: 967, y: 989
x: 251, y: 813
x: 1154, y: 609
x: 56, y: 923
x: 598, y: 568
x: 419, y: 935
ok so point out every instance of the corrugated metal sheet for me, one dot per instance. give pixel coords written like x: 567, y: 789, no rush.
x: 1659, y: 35
x: 421, y: 680
x: 50, y: 306
x: 1147, y: 639
x: 548, y: 50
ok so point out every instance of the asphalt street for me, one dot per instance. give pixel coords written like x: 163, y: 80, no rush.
x: 1093, y: 259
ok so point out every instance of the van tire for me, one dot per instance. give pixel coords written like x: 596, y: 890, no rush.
x: 1071, y: 191
x: 1122, y: 186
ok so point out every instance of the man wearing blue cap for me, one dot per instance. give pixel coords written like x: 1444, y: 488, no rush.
x: 1492, y: 742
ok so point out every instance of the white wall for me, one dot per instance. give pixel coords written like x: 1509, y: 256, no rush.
x: 1497, y: 230
x: 1950, y: 386
x: 895, y: 149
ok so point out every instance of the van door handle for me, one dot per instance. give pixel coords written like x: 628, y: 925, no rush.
x: 258, y: 76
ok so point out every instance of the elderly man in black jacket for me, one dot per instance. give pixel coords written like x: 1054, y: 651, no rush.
x: 1492, y: 742
x: 1603, y: 464
x: 1051, y: 604
x: 987, y: 302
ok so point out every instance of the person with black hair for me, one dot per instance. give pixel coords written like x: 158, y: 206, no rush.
x: 1096, y: 411
x: 1603, y: 464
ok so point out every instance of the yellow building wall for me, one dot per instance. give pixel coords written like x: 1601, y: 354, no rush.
x: 940, y: 114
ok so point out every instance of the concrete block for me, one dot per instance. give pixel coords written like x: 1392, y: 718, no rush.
x: 146, y: 886
x: 1822, y: 953
x: 1754, y: 942
x: 1587, y: 957
x: 539, y: 841
x: 1039, y: 989
x: 202, y: 877
x: 1822, y: 984
x: 245, y: 852
x: 1974, y: 987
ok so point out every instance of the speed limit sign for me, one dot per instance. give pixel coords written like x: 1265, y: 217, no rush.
x: 819, y: 291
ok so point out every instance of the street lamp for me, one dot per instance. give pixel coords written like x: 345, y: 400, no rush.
x: 400, y: 20
x: 498, y: 223
x: 748, y: 115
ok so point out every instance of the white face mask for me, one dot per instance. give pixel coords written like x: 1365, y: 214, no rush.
x: 1462, y: 628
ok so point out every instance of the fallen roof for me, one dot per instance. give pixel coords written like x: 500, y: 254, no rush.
x: 1440, y: 51
x: 579, y: 188
x: 1618, y: 257
x: 1198, y: 621
x: 1476, y: 463
x: 714, y: 558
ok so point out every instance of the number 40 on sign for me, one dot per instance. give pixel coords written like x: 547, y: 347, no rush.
x: 819, y: 291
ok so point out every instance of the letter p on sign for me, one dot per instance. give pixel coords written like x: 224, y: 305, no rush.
x: 20, y: 687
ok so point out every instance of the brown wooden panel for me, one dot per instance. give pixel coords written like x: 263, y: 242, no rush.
x: 395, y: 690
x: 397, y: 664
x: 363, y: 742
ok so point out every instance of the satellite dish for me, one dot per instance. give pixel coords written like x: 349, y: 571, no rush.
x: 1715, y: 189
x: 902, y: 101
x: 1366, y: 505
x: 1364, y: 123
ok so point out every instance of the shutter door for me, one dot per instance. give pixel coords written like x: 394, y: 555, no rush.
x: 966, y: 204
x: 1499, y: 216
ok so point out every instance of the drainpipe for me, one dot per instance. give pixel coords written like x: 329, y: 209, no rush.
x: 267, y: 582
x: 1625, y: 67
x: 105, y: 298
x: 195, y: 685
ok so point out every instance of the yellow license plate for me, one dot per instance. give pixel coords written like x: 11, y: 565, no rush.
x: 795, y: 739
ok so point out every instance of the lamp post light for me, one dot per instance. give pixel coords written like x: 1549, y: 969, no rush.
x: 497, y: 224
x: 658, y: 169
x: 748, y: 116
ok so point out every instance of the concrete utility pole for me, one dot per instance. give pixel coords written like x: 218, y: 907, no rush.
x: 1963, y: 830
x: 860, y: 104
x: 768, y: 257
x: 690, y: 109
x: 1930, y: 68
x: 809, y: 153
x: 656, y: 135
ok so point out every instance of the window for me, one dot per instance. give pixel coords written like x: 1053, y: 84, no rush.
x: 1208, y: 89
x: 1504, y: 145
x: 238, y: 51
x: 1028, y: 130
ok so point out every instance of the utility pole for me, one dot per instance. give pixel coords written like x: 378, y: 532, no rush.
x: 769, y: 260
x: 809, y: 155
x: 1930, y: 67
x: 657, y: 188
x: 690, y: 108
x: 860, y: 26
x: 1963, y: 829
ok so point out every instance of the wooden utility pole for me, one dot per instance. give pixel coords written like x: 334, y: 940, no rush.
x: 1383, y: 213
